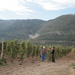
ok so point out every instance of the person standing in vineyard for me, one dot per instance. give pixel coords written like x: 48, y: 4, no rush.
x: 43, y: 53
x: 52, y: 53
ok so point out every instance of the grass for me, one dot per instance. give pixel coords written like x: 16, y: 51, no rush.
x: 73, y: 64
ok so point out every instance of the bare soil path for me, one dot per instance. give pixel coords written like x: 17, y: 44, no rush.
x: 62, y: 66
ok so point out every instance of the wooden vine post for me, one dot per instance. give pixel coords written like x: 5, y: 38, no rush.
x: 2, y: 48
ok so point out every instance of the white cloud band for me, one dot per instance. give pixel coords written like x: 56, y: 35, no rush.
x: 55, y: 4
x: 19, y: 6
x: 14, y: 6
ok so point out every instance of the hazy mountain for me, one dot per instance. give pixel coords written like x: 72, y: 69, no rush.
x: 60, y: 29
x: 19, y: 29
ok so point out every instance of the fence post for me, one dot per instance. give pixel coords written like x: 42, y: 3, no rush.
x: 2, y: 48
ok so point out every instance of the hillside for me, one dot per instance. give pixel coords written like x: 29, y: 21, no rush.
x: 56, y: 31
x: 19, y: 29
x: 60, y: 29
x: 62, y: 23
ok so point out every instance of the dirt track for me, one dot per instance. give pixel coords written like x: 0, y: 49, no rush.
x: 62, y: 66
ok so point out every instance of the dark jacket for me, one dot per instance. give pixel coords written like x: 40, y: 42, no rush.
x: 52, y: 52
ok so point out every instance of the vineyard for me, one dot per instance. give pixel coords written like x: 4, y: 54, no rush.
x: 14, y: 50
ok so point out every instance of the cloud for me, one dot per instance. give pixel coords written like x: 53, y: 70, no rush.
x: 54, y: 4
x: 14, y: 6
x: 29, y: 0
x: 51, y: 6
x: 22, y: 7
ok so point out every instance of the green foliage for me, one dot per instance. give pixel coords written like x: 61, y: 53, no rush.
x: 60, y: 51
x: 12, y: 48
x: 22, y: 50
x: 3, y: 61
x: 33, y: 51
x: 27, y: 49
x: 49, y: 55
x: 37, y: 50
x: 19, y: 29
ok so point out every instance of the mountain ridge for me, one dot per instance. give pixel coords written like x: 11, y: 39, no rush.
x: 61, y: 28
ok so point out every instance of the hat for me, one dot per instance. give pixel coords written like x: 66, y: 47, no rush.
x: 43, y: 46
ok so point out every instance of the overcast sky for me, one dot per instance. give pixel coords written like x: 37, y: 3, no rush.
x: 35, y: 9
